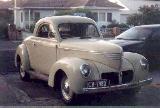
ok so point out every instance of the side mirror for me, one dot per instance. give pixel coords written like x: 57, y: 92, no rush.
x: 51, y: 34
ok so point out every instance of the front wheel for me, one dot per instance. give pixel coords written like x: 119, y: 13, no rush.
x: 66, y: 92
x: 23, y: 74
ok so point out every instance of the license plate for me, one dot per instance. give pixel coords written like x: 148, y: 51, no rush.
x: 97, y: 84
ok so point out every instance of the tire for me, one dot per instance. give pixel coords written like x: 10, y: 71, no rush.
x: 68, y: 96
x: 132, y: 91
x: 24, y: 76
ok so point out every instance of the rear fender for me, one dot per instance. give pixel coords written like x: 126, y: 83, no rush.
x: 24, y: 57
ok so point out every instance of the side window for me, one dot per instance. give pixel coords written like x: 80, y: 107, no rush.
x: 43, y: 31
x: 156, y: 36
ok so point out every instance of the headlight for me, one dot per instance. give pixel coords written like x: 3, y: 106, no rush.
x: 144, y: 63
x: 85, y: 70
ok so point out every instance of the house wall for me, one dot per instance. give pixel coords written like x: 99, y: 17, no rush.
x: 123, y: 18
x: 45, y: 13
x: 18, y: 18
x: 115, y: 16
x: 26, y: 22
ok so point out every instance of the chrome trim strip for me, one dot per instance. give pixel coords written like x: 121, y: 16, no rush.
x: 113, y: 56
x: 91, y: 51
x: 119, y: 87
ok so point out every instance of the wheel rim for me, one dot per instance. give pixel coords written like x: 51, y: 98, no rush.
x: 21, y: 70
x: 65, y: 88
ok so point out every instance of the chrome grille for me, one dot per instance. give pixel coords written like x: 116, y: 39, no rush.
x: 113, y: 77
x: 114, y: 56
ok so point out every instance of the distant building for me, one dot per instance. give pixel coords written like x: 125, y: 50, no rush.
x: 29, y: 11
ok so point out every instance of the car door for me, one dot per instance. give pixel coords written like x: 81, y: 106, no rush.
x: 155, y: 45
x: 44, y: 49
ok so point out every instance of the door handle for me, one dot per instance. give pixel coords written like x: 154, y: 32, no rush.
x: 66, y: 49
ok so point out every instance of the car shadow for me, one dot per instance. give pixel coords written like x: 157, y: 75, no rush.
x: 41, y: 94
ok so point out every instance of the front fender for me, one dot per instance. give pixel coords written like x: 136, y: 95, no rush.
x: 71, y: 67
x: 24, y: 57
x: 134, y: 59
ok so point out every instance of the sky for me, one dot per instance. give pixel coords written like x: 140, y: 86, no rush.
x: 118, y: 2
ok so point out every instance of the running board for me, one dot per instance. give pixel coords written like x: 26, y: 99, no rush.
x: 39, y: 75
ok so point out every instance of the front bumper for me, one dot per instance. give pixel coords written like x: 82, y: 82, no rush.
x: 118, y: 87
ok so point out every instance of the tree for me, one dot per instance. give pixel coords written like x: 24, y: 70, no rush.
x: 146, y: 15
x: 135, y: 19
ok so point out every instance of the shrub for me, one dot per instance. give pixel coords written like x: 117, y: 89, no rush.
x: 116, y: 24
x: 146, y: 15
x: 32, y: 28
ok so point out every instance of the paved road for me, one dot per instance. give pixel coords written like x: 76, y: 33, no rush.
x: 7, y: 52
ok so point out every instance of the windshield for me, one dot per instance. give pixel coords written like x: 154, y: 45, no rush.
x: 80, y: 30
x: 135, y: 33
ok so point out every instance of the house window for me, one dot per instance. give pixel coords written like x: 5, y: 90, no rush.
x: 26, y: 16
x: 109, y: 17
x: 102, y: 17
x: 21, y: 16
x: 37, y: 16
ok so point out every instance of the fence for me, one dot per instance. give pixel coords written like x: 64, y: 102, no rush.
x: 112, y: 32
x: 14, y: 33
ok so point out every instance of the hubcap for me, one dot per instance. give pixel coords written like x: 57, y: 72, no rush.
x: 65, y: 86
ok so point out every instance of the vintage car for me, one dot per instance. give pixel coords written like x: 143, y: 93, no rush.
x: 69, y: 53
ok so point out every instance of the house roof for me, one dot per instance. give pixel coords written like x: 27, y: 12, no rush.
x: 66, y: 3
x: 59, y: 4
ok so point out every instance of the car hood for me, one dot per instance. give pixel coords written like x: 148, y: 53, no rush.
x: 93, y: 49
x: 92, y: 45
x: 125, y: 42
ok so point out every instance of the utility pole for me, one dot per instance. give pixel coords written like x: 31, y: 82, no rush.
x: 15, y: 12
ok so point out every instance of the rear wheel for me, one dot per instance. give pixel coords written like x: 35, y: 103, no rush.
x: 23, y: 74
x: 66, y: 92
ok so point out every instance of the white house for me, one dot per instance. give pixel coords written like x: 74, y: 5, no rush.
x: 29, y: 11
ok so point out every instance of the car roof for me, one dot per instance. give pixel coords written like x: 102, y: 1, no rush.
x: 67, y: 19
x: 149, y: 26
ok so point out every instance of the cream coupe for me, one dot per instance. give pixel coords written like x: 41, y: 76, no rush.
x: 69, y: 53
